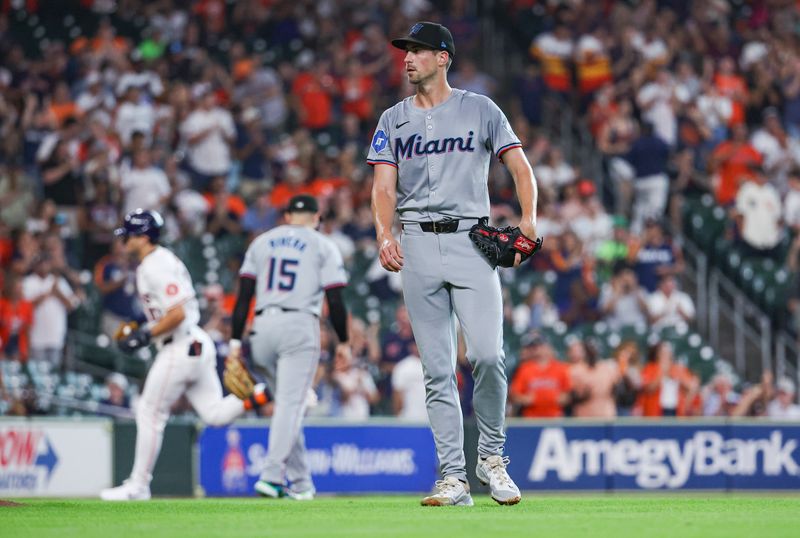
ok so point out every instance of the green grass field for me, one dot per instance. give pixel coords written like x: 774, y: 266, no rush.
x: 551, y: 516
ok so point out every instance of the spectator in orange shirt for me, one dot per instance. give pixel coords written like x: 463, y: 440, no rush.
x: 732, y: 164
x: 16, y: 317
x: 293, y: 181
x: 733, y: 86
x: 312, y: 92
x: 357, y: 90
x: 62, y: 106
x: 541, y: 384
x: 665, y: 384
x: 328, y: 180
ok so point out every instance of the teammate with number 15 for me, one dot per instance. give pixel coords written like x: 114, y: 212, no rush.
x: 289, y: 269
x: 186, y: 360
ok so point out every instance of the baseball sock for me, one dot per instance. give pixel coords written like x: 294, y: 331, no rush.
x: 256, y: 400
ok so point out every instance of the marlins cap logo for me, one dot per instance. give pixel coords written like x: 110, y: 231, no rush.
x: 414, y: 29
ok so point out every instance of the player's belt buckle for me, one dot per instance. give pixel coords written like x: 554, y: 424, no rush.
x: 446, y: 226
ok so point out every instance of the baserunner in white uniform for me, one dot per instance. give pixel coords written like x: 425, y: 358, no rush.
x: 431, y: 154
x: 289, y: 269
x: 186, y: 359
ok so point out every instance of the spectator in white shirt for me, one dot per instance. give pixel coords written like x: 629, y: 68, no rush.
x: 716, y: 109
x: 134, y: 114
x: 656, y: 101
x: 357, y: 390
x: 668, y: 306
x: 555, y: 173
x: 758, y: 212
x: 652, y: 48
x: 623, y: 301
x: 782, y: 407
x: 791, y: 203
x: 593, y: 225
x: 95, y: 95
x: 719, y: 398
x: 408, y: 390
x: 780, y: 151
x: 144, y: 185
x: 208, y: 133
x: 52, y: 300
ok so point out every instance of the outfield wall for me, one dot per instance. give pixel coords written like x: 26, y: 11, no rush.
x: 545, y: 455
x: 78, y: 457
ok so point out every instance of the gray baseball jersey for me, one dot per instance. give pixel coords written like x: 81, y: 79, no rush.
x: 292, y: 267
x: 442, y: 154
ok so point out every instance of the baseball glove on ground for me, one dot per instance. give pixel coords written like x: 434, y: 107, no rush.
x: 500, y: 245
x: 130, y: 337
x: 237, y: 379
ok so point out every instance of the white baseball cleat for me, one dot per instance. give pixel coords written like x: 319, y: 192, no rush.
x: 449, y: 492
x: 306, y: 495
x: 128, y: 491
x: 492, y: 471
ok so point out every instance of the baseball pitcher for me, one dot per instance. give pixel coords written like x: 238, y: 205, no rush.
x: 431, y: 154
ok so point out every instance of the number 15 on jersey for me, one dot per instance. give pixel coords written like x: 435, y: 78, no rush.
x: 286, y: 276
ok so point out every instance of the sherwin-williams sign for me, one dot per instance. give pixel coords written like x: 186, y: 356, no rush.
x: 352, y: 459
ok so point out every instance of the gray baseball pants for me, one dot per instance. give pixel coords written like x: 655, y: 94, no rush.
x: 445, y: 276
x: 286, y: 350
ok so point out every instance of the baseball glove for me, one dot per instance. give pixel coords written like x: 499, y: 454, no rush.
x: 237, y: 379
x: 130, y: 337
x: 500, y: 245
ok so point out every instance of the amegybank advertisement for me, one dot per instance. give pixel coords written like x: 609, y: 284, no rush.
x: 351, y: 459
x: 54, y: 457
x: 655, y: 456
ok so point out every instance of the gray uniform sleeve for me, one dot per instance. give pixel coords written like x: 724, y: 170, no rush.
x: 380, y: 149
x: 333, y: 274
x: 501, y: 135
x: 249, y: 268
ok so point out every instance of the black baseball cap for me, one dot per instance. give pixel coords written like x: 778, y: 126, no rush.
x: 302, y: 203
x: 430, y: 35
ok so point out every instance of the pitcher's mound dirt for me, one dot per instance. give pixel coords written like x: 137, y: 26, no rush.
x: 8, y: 503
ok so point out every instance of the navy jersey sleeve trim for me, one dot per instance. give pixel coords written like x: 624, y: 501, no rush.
x: 372, y: 162
x: 508, y: 147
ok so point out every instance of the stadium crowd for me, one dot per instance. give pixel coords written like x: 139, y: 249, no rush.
x: 215, y: 113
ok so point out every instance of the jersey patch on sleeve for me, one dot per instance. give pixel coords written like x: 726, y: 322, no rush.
x: 379, y: 141
x: 172, y: 289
